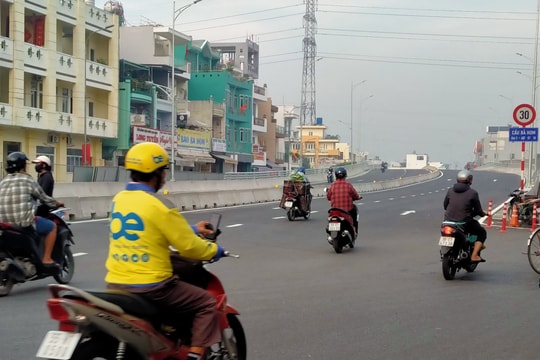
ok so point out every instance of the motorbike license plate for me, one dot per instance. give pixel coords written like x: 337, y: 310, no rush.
x: 334, y: 226
x: 288, y: 204
x: 446, y: 241
x: 58, y: 345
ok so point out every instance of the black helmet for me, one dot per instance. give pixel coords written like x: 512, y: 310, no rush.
x: 465, y: 177
x: 16, y: 161
x: 341, y: 173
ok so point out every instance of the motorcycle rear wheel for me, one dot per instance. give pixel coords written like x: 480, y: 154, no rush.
x: 68, y: 267
x: 337, y: 246
x: 307, y: 214
x: 6, y: 284
x: 290, y: 214
x: 448, y: 269
x: 100, y: 349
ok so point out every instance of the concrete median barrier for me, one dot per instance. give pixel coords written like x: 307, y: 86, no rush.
x: 93, y: 200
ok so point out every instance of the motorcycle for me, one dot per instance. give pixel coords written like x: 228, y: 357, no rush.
x: 330, y: 177
x: 296, y: 200
x: 524, y: 206
x: 456, y: 249
x: 21, y: 252
x: 116, y: 325
x: 340, y: 229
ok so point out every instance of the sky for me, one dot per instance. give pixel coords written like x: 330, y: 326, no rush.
x: 424, y: 76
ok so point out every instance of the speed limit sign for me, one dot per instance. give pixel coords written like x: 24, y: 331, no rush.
x: 524, y: 114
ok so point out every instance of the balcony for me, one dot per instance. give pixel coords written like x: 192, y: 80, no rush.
x: 67, y: 10
x: 39, y: 6
x: 35, y: 118
x: 280, y: 131
x: 218, y: 109
x: 6, y: 52
x: 98, y: 19
x: 35, y: 59
x: 66, y: 67
x: 101, y: 128
x: 98, y: 75
x: 6, y: 114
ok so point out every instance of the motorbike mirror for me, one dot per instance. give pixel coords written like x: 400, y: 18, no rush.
x: 325, y: 189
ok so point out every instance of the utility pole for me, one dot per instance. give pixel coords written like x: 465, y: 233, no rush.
x: 307, y: 107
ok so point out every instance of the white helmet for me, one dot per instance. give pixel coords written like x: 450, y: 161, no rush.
x: 42, y: 159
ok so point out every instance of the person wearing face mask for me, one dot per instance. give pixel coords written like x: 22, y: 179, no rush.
x: 45, y: 180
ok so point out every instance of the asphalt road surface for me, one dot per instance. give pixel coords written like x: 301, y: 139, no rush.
x: 385, y: 299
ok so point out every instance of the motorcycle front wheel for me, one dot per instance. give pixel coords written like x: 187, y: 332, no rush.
x: 448, y: 269
x: 68, y: 267
x: 236, y: 338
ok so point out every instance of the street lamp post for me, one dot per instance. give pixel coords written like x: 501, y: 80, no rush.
x: 176, y: 12
x: 353, y: 86
x: 86, y: 50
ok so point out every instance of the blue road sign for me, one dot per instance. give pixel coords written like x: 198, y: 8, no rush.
x: 523, y: 134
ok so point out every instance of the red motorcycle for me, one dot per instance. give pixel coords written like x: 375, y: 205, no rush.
x: 115, y: 325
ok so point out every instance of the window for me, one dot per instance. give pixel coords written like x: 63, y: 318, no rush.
x: 66, y: 100
x: 36, y: 92
x: 47, y: 151
x: 310, y: 146
x: 74, y: 158
x: 245, y: 134
x: 90, y: 109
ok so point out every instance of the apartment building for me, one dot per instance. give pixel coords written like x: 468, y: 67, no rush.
x: 58, y: 81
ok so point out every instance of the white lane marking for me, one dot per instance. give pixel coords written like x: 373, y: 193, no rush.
x: 403, y: 197
x: 413, y: 195
x: 279, y: 217
x: 408, y: 212
x: 422, y: 194
x: 390, y: 199
x: 234, y: 225
x: 377, y: 201
x: 79, y: 254
x: 276, y: 208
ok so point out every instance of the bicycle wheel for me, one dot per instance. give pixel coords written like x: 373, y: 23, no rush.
x: 533, y: 250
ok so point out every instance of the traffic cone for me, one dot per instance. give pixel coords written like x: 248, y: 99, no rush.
x: 514, y: 221
x: 534, y: 217
x: 503, y: 223
x: 489, y: 218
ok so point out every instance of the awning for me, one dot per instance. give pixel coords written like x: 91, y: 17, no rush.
x: 200, y: 156
x: 225, y: 158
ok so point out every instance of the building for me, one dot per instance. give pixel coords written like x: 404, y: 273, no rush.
x: 496, y: 147
x: 58, y: 81
x: 318, y: 150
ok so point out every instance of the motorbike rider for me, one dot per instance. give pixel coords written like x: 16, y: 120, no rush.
x: 143, y: 225
x: 18, y: 195
x: 330, y: 175
x: 300, y: 175
x: 342, y: 195
x: 462, y: 204
x: 45, y: 180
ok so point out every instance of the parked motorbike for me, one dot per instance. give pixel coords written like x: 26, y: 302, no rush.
x: 525, y: 207
x: 456, y: 249
x: 21, y: 252
x: 340, y: 230
x: 116, y: 325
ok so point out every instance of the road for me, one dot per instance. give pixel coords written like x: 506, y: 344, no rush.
x: 386, y: 299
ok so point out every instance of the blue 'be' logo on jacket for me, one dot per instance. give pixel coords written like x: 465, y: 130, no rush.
x: 130, y: 224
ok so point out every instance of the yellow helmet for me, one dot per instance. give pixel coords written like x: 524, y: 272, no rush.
x: 146, y: 157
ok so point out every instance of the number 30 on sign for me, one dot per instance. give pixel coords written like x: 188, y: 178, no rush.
x: 524, y: 114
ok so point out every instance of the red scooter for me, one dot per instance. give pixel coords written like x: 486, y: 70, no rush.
x: 115, y: 325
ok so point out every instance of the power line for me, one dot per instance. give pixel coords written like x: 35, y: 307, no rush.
x: 424, y: 16
x: 434, y: 10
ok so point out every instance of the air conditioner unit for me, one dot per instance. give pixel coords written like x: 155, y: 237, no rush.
x: 52, y: 138
x: 69, y: 140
